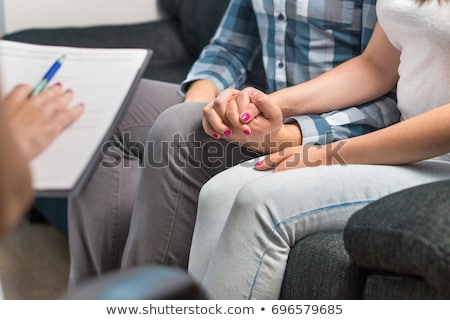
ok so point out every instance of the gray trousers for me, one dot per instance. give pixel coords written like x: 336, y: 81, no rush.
x: 141, y: 209
x: 99, y: 216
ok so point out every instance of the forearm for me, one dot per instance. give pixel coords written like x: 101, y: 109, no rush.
x: 226, y: 59
x: 419, y: 138
x: 201, y: 91
x: 15, y: 180
x: 354, y: 82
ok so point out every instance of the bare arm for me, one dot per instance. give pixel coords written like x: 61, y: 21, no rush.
x: 27, y: 127
x: 15, y: 177
x: 419, y: 138
x: 361, y: 79
x: 422, y: 137
x: 15, y: 180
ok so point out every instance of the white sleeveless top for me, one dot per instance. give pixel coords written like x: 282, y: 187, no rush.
x: 422, y: 34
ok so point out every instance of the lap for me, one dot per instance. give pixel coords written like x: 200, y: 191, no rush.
x: 313, y: 188
x: 149, y: 101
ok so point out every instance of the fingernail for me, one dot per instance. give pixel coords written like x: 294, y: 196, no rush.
x: 259, y: 163
x: 216, y: 136
x: 245, y: 117
x: 69, y: 91
x: 58, y: 84
x: 247, y: 132
x: 227, y: 132
x: 82, y: 105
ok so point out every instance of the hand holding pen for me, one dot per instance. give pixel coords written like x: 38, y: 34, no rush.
x: 37, y: 121
x: 48, y: 76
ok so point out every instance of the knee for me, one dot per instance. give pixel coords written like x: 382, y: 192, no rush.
x: 212, y: 194
x: 250, y: 196
x: 253, y: 205
x: 180, y: 119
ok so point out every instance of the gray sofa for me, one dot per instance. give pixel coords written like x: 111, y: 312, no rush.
x: 397, y: 248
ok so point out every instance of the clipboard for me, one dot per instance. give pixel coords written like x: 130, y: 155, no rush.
x: 104, y: 79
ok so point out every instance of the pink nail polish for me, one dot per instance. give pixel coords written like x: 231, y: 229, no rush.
x: 227, y: 132
x: 245, y: 117
x: 216, y: 136
x: 259, y: 163
x: 69, y: 91
x: 58, y: 84
x: 247, y: 132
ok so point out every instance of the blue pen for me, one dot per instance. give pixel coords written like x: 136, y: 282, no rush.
x: 48, y: 76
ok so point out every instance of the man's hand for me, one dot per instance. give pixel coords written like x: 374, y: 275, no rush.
x: 214, y: 120
x: 36, y: 121
x: 264, y: 131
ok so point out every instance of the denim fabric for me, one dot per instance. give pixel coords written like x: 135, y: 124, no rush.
x: 248, y: 221
x: 180, y: 157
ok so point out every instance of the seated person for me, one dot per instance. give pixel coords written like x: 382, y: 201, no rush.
x: 140, y: 207
x: 248, y: 220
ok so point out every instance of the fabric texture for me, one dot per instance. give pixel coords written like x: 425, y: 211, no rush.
x: 384, y: 286
x: 419, y: 89
x: 140, y: 283
x: 248, y: 220
x: 407, y: 233
x: 99, y: 217
x: 319, y: 268
x: 180, y: 157
x: 298, y: 40
x: 170, y: 60
x: 198, y: 21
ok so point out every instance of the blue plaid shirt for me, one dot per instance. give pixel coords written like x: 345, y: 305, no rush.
x: 299, y: 40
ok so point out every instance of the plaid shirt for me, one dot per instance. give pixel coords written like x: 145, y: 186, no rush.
x: 299, y: 40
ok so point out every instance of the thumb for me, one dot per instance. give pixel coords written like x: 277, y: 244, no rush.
x: 265, y: 104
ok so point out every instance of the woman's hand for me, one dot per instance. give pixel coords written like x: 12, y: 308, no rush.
x: 266, y: 131
x: 36, y: 121
x: 303, y: 156
x: 214, y: 120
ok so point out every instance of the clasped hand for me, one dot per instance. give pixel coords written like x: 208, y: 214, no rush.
x: 254, y: 120
x: 248, y: 118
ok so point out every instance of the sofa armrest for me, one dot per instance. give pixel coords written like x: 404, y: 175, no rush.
x: 319, y: 268
x: 407, y: 233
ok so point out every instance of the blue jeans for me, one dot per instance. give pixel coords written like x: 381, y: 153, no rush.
x: 247, y: 221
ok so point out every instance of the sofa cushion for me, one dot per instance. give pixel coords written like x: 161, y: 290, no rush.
x: 199, y: 20
x: 407, y: 233
x: 170, y: 7
x: 163, y: 37
x: 384, y: 286
x: 318, y: 267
